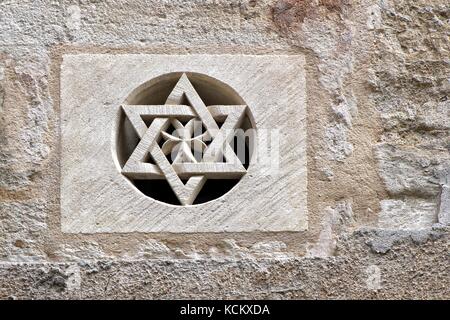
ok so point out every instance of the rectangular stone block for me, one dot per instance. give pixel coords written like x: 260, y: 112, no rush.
x: 123, y: 168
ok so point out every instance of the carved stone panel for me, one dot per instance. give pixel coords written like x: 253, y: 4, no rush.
x: 183, y: 143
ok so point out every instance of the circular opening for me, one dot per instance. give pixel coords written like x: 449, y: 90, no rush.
x: 155, y: 92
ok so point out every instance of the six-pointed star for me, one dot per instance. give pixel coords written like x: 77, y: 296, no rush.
x: 196, y: 172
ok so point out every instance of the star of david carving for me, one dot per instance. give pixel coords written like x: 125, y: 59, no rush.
x: 218, y: 161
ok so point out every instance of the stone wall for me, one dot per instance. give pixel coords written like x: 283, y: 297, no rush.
x: 378, y: 121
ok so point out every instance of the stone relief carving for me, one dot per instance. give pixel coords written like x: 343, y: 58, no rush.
x: 183, y: 143
x: 189, y: 152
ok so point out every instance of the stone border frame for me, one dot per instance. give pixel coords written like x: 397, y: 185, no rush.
x: 283, y: 75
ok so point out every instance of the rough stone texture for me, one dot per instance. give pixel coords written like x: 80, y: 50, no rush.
x: 377, y: 91
x: 444, y: 201
x: 409, y: 213
x: 371, y: 264
x: 412, y: 87
x: 23, y: 229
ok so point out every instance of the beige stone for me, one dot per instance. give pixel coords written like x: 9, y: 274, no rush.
x: 97, y: 196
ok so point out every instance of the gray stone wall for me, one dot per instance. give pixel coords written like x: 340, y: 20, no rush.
x: 377, y: 87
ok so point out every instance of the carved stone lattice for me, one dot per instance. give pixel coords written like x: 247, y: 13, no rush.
x: 218, y: 160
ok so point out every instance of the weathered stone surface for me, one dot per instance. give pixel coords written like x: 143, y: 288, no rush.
x: 411, y: 80
x: 22, y: 230
x: 444, y: 201
x: 410, y: 266
x: 408, y: 171
x: 377, y: 90
x: 336, y: 221
x: 407, y: 214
